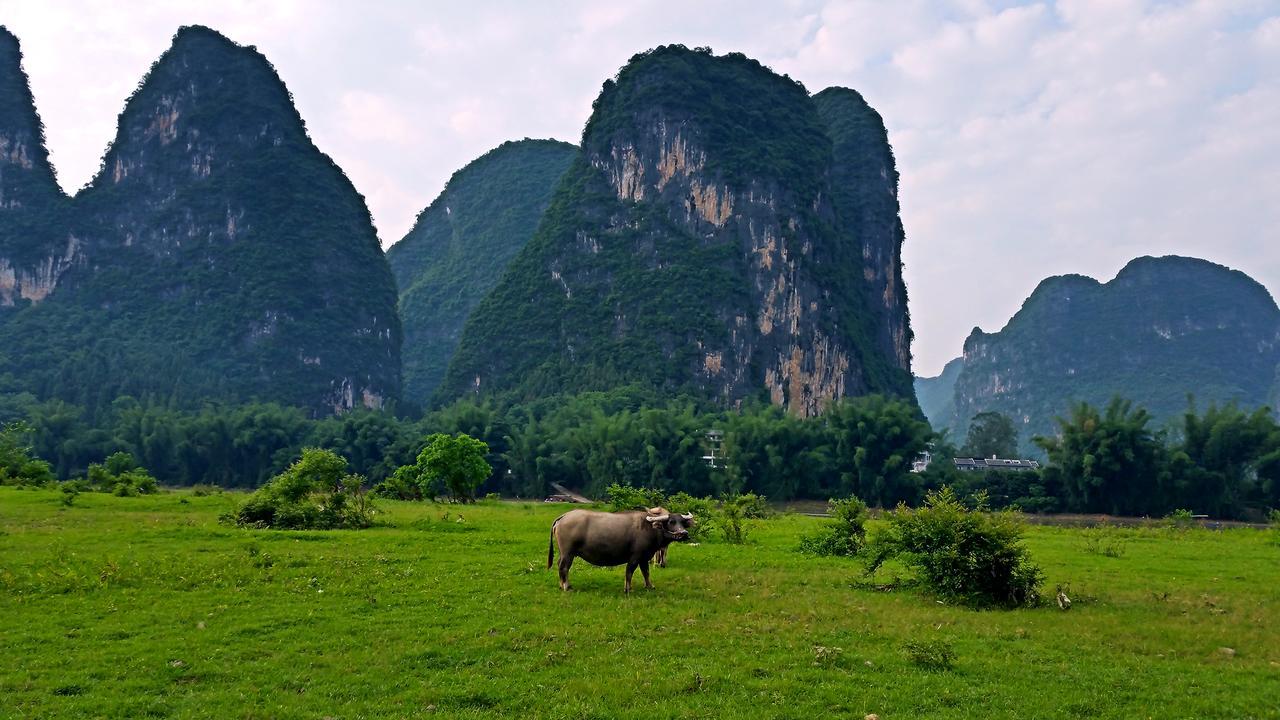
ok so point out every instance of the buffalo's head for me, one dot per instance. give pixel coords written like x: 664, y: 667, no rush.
x: 672, y: 525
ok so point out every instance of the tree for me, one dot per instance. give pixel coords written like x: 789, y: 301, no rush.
x: 1109, y: 462
x: 1226, y: 459
x: 876, y: 438
x: 456, y: 463
x: 991, y: 434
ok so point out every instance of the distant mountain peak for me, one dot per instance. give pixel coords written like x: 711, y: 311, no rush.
x: 1163, y: 328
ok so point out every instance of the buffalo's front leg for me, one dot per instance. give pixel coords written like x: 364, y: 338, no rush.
x: 566, y: 562
x: 631, y: 568
x: 644, y: 570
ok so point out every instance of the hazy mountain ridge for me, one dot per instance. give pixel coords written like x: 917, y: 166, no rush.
x: 1162, y: 329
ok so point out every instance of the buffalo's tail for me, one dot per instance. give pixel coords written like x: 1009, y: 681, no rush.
x: 551, y: 545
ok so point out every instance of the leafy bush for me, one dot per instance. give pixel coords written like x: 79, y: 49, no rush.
x: 931, y: 654
x: 624, y: 497
x: 402, y: 485
x: 703, y: 510
x: 120, y: 474
x: 17, y: 465
x: 734, y: 512
x: 845, y: 535
x: 755, y: 507
x: 970, y: 555
x: 314, y: 493
x: 1180, y: 519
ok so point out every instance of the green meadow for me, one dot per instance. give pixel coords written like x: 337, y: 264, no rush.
x: 148, y: 607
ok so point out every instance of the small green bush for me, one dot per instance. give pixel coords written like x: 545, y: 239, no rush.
x: 931, y: 654
x: 845, y: 535
x: 624, y: 497
x: 400, y: 486
x: 120, y: 474
x: 315, y: 493
x: 969, y: 555
x: 733, y: 515
x: 1180, y: 519
x: 703, y: 510
x: 17, y: 465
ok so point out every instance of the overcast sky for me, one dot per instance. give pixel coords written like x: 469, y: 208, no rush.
x: 1033, y: 139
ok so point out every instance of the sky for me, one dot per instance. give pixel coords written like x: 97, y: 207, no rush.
x: 1033, y: 139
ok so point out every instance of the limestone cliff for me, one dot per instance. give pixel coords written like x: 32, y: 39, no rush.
x: 217, y: 255
x: 696, y: 246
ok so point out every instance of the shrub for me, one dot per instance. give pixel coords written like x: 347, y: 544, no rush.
x: 17, y: 465
x: 1180, y: 519
x: 624, y: 497
x: 733, y: 516
x: 931, y: 654
x: 755, y: 507
x: 120, y: 474
x: 703, y: 510
x: 314, y: 493
x: 845, y: 535
x: 969, y: 555
x: 400, y: 486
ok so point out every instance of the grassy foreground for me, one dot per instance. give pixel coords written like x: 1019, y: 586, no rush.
x: 147, y: 607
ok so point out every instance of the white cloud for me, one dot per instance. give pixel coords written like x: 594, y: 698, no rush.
x: 1033, y: 138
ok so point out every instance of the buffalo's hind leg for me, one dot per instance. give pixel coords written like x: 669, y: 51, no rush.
x: 644, y: 570
x: 566, y: 562
x: 631, y: 568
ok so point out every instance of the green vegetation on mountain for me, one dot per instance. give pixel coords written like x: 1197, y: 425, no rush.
x: 460, y: 246
x: 864, y: 187
x: 692, y: 247
x: 217, y: 255
x: 1163, y: 329
x: 32, y: 206
x: 936, y: 395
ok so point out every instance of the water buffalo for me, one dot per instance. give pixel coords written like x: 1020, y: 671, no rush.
x: 609, y: 539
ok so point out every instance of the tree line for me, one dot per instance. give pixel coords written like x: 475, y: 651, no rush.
x: 1223, y: 462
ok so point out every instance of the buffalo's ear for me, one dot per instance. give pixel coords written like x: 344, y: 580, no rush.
x: 656, y: 525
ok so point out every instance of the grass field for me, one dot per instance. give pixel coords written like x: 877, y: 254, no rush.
x: 147, y: 607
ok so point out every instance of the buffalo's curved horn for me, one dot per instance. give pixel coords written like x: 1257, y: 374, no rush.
x: 656, y: 518
x: 687, y: 516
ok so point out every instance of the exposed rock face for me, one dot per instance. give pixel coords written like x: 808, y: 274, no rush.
x: 1164, y: 328
x: 216, y: 255
x: 696, y: 246
x: 460, y: 245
